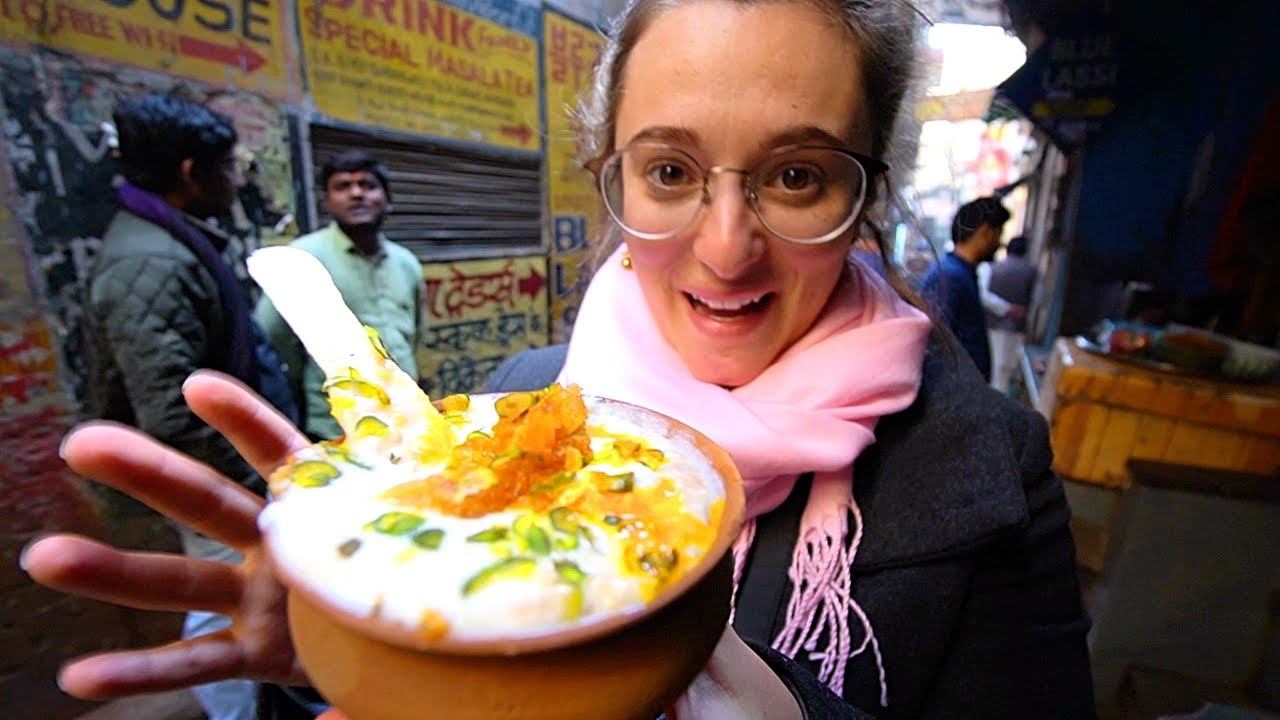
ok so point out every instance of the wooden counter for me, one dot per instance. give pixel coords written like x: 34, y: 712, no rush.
x: 1103, y: 412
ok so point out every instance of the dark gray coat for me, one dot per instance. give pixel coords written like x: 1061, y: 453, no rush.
x: 153, y: 316
x: 966, y: 568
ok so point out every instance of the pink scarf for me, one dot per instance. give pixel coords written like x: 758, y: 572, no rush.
x: 813, y: 410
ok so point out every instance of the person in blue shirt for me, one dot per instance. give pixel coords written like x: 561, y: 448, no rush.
x: 951, y: 284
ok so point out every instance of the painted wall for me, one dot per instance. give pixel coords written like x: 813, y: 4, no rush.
x: 57, y: 171
x: 479, y: 312
x: 63, y: 170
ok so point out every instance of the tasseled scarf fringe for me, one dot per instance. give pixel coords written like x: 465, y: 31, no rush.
x: 821, y: 600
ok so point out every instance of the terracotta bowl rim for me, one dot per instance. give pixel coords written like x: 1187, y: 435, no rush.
x: 731, y: 520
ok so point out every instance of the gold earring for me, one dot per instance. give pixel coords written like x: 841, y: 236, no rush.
x: 626, y: 261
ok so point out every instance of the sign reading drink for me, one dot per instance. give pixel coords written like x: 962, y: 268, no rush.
x: 426, y: 67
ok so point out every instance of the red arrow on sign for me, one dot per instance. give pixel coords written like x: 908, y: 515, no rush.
x: 532, y: 284
x: 520, y: 132
x: 239, y: 55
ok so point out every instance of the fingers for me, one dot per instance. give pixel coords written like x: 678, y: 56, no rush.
x: 148, y: 581
x: 172, y: 483
x: 264, y: 438
x: 208, y: 658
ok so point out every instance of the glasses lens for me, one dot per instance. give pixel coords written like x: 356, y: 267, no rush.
x: 809, y: 195
x: 651, y: 190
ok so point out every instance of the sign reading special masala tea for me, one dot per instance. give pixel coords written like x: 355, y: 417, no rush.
x: 426, y: 67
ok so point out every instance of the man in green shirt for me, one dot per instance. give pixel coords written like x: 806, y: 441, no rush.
x: 379, y: 280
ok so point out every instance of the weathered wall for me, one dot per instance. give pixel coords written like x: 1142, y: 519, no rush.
x: 63, y: 171
x: 57, y: 170
x: 58, y: 174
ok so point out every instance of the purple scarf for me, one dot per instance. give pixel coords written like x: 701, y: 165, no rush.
x: 235, y: 357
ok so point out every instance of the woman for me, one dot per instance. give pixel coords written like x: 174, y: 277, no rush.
x: 737, y: 143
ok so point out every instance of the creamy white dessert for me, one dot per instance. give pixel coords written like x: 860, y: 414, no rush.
x: 501, y: 517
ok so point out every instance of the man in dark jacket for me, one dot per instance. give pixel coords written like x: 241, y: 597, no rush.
x: 163, y: 302
x: 951, y: 285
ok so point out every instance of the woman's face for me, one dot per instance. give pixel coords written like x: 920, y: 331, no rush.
x: 727, y: 84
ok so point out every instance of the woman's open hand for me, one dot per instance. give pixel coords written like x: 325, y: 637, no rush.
x: 257, y: 645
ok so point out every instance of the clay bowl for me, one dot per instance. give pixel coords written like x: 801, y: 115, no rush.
x: 625, y: 665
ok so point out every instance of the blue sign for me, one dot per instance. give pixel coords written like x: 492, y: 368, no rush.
x: 1068, y: 86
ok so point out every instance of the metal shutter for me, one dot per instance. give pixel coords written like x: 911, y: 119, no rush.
x: 450, y: 200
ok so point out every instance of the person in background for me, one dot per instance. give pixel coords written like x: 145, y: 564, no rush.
x: 163, y: 302
x: 907, y: 551
x: 379, y: 280
x: 951, y: 284
x: 1007, y: 287
x: 260, y: 209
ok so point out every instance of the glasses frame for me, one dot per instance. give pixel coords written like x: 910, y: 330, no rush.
x: 871, y: 169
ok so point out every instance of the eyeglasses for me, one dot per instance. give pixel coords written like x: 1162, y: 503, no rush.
x: 806, y: 195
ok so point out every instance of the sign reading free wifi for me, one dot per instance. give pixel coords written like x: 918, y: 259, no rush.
x: 242, y: 43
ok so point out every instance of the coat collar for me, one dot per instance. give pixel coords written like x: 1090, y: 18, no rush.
x: 919, y: 501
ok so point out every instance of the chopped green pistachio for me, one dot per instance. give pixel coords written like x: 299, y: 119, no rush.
x: 429, y: 539
x: 652, y: 458
x: 573, y: 603
x: 612, y: 520
x: 376, y: 341
x: 455, y: 403
x: 538, y: 541
x: 659, y: 563
x: 370, y: 426
x: 506, y: 457
x: 564, y: 520
x: 493, y: 534
x: 349, y: 548
x: 515, y: 404
x: 570, y: 572
x: 525, y: 527
x: 314, y: 473
x: 361, y: 388
x: 340, y: 453
x: 511, y: 568
x: 623, y: 482
x: 557, y: 481
x: 523, y: 523
x: 396, y: 523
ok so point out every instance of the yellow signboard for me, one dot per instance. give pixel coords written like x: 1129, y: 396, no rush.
x: 244, y: 43
x: 569, y: 52
x: 423, y: 67
x: 478, y: 313
x: 968, y: 105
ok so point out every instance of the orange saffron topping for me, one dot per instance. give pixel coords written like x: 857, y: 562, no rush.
x: 538, y: 435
